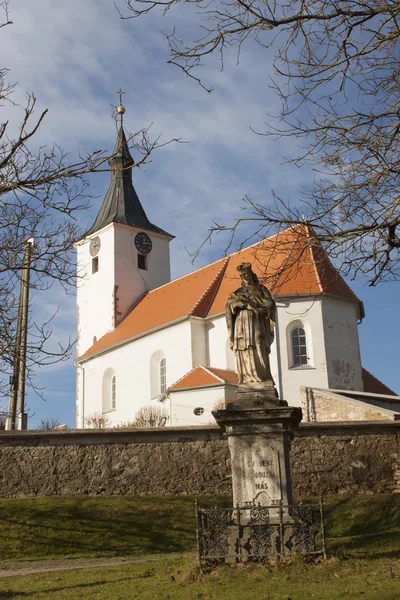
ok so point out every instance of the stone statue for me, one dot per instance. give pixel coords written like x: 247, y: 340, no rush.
x: 250, y: 317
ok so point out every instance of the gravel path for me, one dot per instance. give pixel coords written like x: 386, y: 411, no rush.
x: 22, y: 568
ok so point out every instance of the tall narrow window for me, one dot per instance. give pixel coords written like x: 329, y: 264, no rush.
x: 142, y: 262
x: 113, y: 393
x: 163, y: 375
x: 109, y: 391
x: 299, y: 347
x: 95, y: 264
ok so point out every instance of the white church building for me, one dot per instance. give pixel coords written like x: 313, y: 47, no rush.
x: 145, y: 340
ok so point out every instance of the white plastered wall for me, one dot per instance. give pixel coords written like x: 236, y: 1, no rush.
x: 306, y: 313
x: 95, y: 292
x: 220, y: 355
x: 199, y: 342
x: 342, y: 344
x: 104, y: 298
x: 182, y: 404
x: 132, y: 282
x: 131, y: 365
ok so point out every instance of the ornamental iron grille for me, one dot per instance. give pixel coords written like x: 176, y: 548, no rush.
x: 259, y: 533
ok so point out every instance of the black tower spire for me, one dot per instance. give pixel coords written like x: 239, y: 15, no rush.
x: 121, y: 203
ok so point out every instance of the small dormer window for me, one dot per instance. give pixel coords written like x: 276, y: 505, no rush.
x: 142, y: 262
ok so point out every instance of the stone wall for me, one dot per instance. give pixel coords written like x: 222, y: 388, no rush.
x: 346, y: 458
x: 324, y: 405
x: 162, y: 461
x: 326, y: 458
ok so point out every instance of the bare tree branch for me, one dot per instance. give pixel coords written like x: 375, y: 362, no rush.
x: 43, y: 192
x: 338, y: 78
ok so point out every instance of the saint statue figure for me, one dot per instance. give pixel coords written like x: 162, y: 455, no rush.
x: 250, y: 317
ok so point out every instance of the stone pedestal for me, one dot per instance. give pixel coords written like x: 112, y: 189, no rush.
x: 259, y: 431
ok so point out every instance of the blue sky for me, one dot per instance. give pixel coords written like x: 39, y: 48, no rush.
x: 74, y: 56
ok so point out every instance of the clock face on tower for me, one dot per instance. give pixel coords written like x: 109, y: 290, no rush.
x: 94, y: 246
x: 143, y: 243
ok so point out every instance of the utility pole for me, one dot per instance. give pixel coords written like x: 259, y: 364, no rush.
x: 16, y: 414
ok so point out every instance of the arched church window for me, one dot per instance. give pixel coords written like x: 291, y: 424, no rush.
x: 163, y: 375
x: 158, y: 374
x: 113, y: 393
x: 299, y: 347
x: 109, y: 391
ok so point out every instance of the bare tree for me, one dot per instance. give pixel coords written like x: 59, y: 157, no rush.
x: 151, y: 416
x: 336, y: 66
x: 43, y: 190
x: 48, y: 423
x: 97, y: 420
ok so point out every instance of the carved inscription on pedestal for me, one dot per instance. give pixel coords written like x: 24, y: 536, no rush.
x: 266, y: 473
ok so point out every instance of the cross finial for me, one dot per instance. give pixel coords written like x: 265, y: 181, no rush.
x: 120, y: 92
x: 120, y: 108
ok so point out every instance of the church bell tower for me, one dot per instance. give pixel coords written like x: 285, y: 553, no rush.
x: 122, y: 256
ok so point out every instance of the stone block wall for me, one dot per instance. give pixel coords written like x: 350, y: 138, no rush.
x: 164, y: 461
x: 326, y: 458
x: 346, y: 459
x: 323, y: 405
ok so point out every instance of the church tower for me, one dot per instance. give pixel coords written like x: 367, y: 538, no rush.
x: 121, y: 257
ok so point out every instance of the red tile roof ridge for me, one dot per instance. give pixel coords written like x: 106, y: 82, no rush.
x: 279, y: 233
x: 284, y: 264
x: 313, y: 261
x: 189, y: 373
x: 160, y: 287
x: 227, y: 256
x: 214, y: 283
x: 256, y: 243
x: 342, y: 279
x: 214, y: 369
x: 328, y: 260
x: 209, y: 370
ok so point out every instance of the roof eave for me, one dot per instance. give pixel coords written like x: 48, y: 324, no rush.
x: 201, y: 387
x: 84, y: 358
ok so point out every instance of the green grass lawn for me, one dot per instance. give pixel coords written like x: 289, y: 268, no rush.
x: 363, y: 525
x: 363, y: 538
x: 181, y: 580
x: 53, y: 527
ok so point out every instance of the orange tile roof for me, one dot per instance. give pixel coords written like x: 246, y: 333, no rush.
x: 200, y: 376
x: 290, y: 263
x: 374, y: 385
x: 163, y: 305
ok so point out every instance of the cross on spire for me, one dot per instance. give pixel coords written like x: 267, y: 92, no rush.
x: 120, y: 108
x: 120, y: 92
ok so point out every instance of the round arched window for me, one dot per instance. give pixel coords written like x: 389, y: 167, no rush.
x: 198, y: 411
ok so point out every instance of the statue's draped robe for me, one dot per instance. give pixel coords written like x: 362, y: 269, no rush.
x: 251, y: 331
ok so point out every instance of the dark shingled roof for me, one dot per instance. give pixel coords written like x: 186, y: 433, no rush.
x: 121, y: 203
